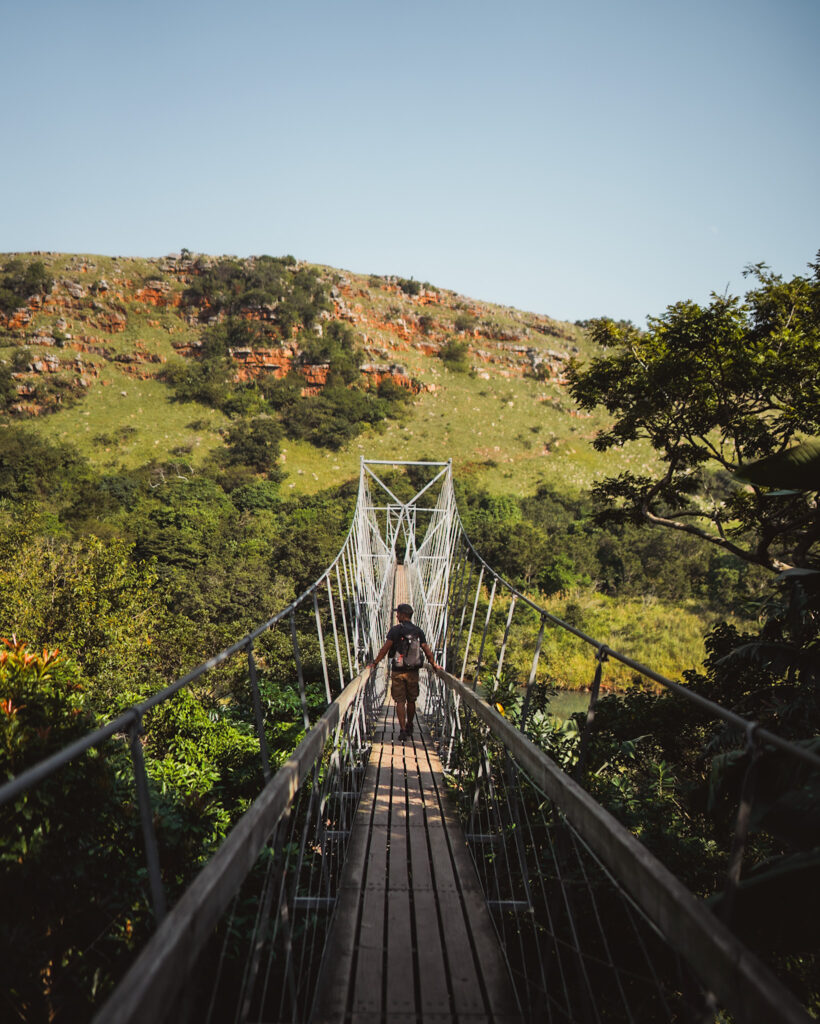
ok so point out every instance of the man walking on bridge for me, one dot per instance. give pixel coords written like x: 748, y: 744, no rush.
x: 405, y: 675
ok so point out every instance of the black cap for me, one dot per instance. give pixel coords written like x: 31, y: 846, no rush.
x: 404, y: 609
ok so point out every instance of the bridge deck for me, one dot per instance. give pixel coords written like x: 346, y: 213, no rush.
x: 412, y: 940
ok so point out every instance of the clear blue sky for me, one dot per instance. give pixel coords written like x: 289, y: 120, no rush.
x: 571, y: 158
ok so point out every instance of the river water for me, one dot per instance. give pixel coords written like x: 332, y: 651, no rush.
x: 564, y: 702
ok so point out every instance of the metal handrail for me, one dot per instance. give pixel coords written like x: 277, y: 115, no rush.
x: 742, y: 982
x: 155, y: 977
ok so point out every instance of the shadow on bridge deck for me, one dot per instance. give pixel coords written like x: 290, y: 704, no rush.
x: 412, y: 938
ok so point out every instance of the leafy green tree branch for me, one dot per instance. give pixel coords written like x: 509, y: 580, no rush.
x: 712, y: 389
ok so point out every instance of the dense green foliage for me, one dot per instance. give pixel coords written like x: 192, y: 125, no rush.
x: 74, y: 887
x: 330, y: 418
x: 464, y: 322
x: 712, y: 389
x: 8, y: 387
x: 136, y: 577
x: 19, y: 280
x: 726, y: 395
x: 552, y: 542
x: 295, y: 295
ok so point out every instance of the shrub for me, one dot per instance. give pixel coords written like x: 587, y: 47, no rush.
x: 337, y: 347
x: 391, y: 391
x: 409, y: 287
x: 298, y: 295
x: 206, y: 381
x: 454, y: 355
x: 333, y: 417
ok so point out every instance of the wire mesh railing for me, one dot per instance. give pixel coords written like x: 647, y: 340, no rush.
x: 493, y: 637
x: 592, y: 926
x: 245, y: 941
x: 87, y: 927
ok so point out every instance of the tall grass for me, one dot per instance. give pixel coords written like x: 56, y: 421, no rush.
x: 667, y: 638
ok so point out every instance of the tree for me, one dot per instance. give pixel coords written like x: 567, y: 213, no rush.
x: 19, y: 281
x: 728, y: 396
x: 712, y: 389
x: 255, y: 443
x: 8, y: 387
x: 59, y: 942
x: 95, y: 601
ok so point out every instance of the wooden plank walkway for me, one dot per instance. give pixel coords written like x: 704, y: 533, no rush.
x: 412, y: 940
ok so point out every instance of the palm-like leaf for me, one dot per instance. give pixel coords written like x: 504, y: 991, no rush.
x: 797, y: 468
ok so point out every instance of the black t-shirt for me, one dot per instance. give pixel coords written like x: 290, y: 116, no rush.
x: 395, y: 633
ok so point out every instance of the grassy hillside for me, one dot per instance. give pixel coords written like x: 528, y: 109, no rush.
x: 92, y: 356
x: 91, y: 352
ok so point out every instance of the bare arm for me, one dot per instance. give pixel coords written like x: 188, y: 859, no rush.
x: 382, y: 653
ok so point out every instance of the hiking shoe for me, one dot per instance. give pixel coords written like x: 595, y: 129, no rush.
x: 402, y: 735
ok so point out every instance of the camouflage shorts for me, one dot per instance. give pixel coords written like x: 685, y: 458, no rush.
x: 405, y: 685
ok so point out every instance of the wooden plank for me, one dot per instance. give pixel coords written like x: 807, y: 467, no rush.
x: 367, y: 985
x: 420, y: 870
x: 434, y: 991
x: 462, y: 859
x: 416, y: 794
x: 371, y: 778
x: 368, y: 982
x: 444, y: 879
x: 465, y: 974
x: 371, y: 928
x: 375, y: 1018
x: 493, y: 968
x: 432, y: 783
x: 400, y: 997
x: 398, y: 807
x: 383, y: 794
x: 376, y: 873
x: 416, y: 810
x: 431, y: 796
x: 398, y: 870
x: 369, y: 1018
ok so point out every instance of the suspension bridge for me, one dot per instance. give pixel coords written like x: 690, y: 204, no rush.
x: 460, y: 874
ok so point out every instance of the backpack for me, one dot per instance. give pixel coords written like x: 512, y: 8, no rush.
x: 408, y: 653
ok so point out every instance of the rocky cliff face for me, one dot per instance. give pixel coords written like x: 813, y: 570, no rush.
x: 131, y: 314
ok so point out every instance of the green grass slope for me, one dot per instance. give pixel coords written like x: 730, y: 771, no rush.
x: 497, y: 420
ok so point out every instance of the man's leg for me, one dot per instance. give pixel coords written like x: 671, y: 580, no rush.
x: 398, y: 691
x: 412, y: 693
